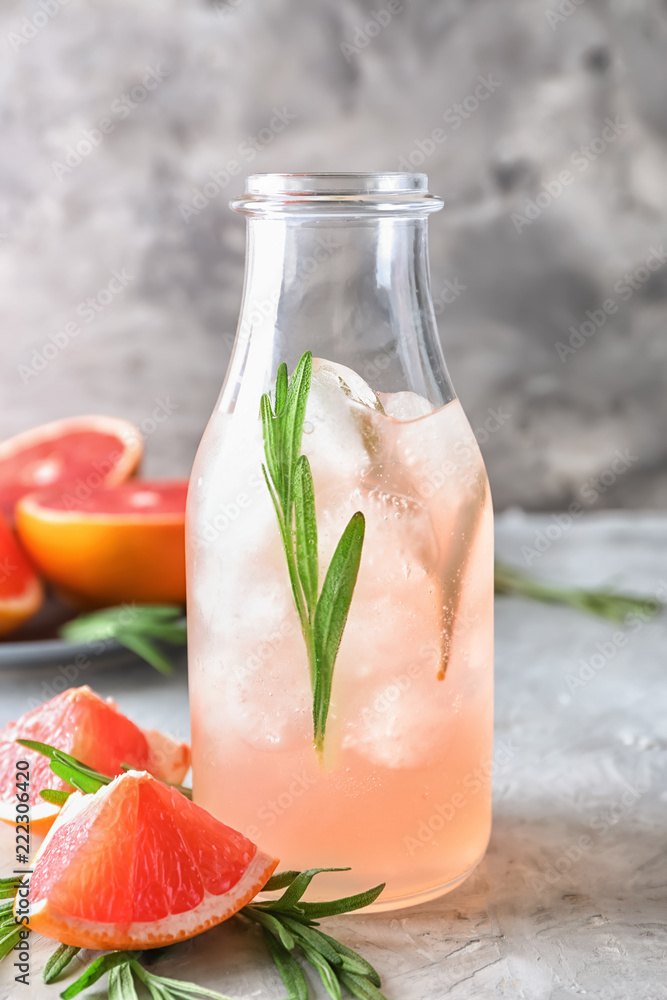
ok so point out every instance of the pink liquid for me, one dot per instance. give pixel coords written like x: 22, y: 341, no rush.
x: 403, y: 795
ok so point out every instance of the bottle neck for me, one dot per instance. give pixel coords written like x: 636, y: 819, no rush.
x: 353, y: 291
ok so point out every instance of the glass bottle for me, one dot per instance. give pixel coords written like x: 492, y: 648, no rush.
x: 341, y: 685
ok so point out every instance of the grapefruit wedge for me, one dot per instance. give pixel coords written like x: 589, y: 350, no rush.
x: 121, y: 544
x: 82, y: 724
x: 137, y: 865
x: 84, y: 452
x: 21, y: 592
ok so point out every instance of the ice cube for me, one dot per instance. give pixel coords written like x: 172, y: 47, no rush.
x: 268, y: 699
x: 397, y: 602
x: 394, y: 710
x: 258, y: 663
x: 404, y: 722
x: 405, y: 405
x: 341, y: 436
x: 335, y: 378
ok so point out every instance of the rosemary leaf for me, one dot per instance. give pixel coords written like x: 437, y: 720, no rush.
x: 306, y: 531
x: 352, y: 961
x: 58, y: 962
x: 175, y: 987
x: 297, y: 888
x: 147, y: 650
x: 95, y: 971
x: 78, y: 779
x: 174, y: 632
x: 280, y: 880
x: 9, y: 886
x: 54, y: 796
x: 269, y: 433
x: 9, y: 936
x: 8, y: 926
x: 331, y: 616
x: 345, y: 904
x: 290, y: 971
x: 294, y: 411
x: 271, y: 924
x: 157, y: 992
x: 327, y: 974
x: 121, y: 983
x: 44, y: 748
x: 360, y: 987
x: 310, y: 937
x: 281, y: 388
x: 274, y: 498
x: 71, y: 770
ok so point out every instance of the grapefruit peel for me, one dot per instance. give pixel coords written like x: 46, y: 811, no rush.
x: 55, y: 454
x: 21, y: 591
x: 120, y: 544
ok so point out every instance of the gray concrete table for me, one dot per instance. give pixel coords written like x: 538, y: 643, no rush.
x: 571, y: 899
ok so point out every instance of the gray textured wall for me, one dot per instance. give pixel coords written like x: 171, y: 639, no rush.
x: 362, y: 98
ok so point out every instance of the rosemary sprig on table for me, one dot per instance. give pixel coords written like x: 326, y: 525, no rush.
x: 289, y: 925
x: 603, y: 603
x: 135, y: 626
x: 290, y: 483
x: 125, y: 970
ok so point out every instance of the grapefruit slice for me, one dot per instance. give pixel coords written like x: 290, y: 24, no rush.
x: 21, y: 592
x: 82, y: 724
x: 121, y: 544
x: 137, y: 865
x: 86, y: 452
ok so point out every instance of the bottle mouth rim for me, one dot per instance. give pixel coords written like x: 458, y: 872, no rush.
x: 337, y: 193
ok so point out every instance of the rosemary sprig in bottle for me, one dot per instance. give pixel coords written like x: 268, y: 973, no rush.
x: 289, y: 480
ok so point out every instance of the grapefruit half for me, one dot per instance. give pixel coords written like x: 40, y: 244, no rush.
x: 121, y: 544
x: 21, y: 592
x: 82, y: 724
x: 137, y: 865
x: 83, y: 451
